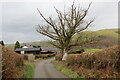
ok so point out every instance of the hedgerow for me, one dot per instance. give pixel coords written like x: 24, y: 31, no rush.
x: 105, y: 63
x: 58, y: 57
x: 44, y: 56
x: 11, y: 63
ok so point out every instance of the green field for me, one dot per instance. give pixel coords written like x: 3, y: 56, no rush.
x: 91, y: 50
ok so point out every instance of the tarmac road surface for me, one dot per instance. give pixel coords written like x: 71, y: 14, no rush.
x: 45, y: 69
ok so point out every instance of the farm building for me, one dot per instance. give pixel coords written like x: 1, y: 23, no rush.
x: 28, y: 50
x: 43, y: 50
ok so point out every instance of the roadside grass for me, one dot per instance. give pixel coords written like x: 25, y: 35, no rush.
x: 66, y: 71
x: 29, y: 71
x: 91, y: 50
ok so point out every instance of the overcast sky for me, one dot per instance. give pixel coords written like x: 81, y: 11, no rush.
x: 19, y: 19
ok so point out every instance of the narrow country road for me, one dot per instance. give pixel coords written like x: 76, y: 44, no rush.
x: 46, y: 69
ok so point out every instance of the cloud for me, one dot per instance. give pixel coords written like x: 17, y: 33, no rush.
x: 0, y: 21
x: 19, y: 18
x: 12, y: 37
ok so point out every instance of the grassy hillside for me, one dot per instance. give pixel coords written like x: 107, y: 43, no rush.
x: 109, y: 32
x: 105, y: 32
x: 109, y: 37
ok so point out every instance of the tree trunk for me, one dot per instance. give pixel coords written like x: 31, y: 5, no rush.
x: 65, y: 55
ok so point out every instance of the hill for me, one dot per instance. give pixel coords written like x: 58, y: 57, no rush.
x: 114, y: 33
x: 109, y: 37
x: 109, y: 32
x: 38, y: 43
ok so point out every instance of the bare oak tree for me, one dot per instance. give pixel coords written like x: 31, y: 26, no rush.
x: 68, y: 24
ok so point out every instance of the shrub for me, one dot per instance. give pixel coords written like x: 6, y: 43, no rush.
x: 44, y: 56
x: 80, y: 51
x: 98, y: 60
x: 11, y: 63
x: 58, y: 57
x: 76, y: 51
x: 2, y: 43
x: 17, y: 45
x: 25, y: 57
x: 31, y: 57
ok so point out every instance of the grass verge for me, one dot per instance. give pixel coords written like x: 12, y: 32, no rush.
x: 66, y: 71
x: 30, y: 70
x: 91, y: 50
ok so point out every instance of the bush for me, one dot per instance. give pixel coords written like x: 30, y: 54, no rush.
x: 80, y: 51
x: 25, y: 57
x: 77, y: 51
x: 17, y: 45
x: 11, y: 63
x: 98, y: 60
x: 58, y: 57
x: 31, y: 57
x: 44, y: 56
